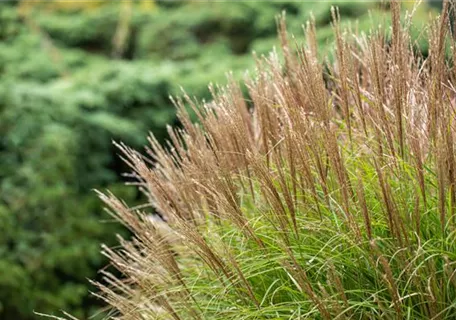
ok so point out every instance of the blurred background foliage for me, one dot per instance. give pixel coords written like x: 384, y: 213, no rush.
x: 75, y: 75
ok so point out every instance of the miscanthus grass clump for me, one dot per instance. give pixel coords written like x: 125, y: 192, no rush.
x: 328, y: 194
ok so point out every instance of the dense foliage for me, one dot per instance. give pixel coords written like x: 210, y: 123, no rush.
x: 73, y: 77
x: 331, y: 195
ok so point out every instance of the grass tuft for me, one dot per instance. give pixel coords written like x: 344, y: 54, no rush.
x: 328, y: 194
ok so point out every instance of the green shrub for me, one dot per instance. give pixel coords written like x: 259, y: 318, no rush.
x: 93, y: 30
x: 50, y: 223
x: 55, y: 147
x: 332, y: 196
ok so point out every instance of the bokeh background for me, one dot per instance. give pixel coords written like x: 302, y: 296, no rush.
x: 75, y: 75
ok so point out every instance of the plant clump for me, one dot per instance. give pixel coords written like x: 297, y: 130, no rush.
x: 328, y: 194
